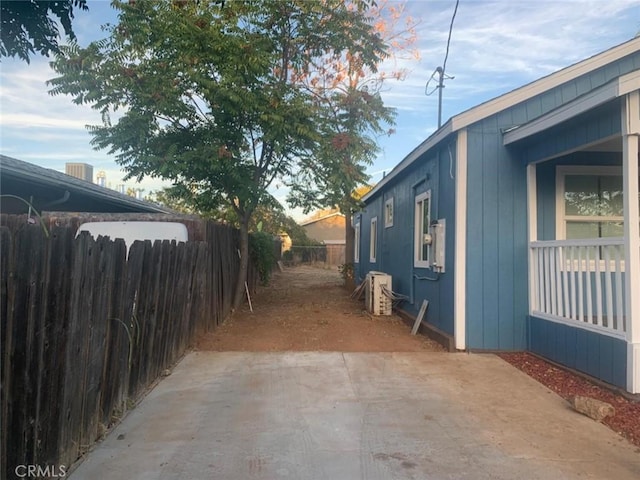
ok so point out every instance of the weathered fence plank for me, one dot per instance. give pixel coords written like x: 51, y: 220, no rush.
x: 54, y: 327
x: 21, y: 354
x: 6, y: 266
x: 86, y: 327
x: 77, y: 349
x: 114, y: 370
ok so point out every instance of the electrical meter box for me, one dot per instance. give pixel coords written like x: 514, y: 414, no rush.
x: 438, y: 232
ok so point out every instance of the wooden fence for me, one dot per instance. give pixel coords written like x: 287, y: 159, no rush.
x: 86, y: 329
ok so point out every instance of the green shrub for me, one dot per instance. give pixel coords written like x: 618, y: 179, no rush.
x: 347, y: 270
x: 261, y: 251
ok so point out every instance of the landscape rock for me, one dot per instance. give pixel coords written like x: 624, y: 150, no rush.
x: 592, y: 408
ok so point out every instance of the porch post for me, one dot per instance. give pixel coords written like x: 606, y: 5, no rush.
x: 532, y: 230
x: 630, y: 132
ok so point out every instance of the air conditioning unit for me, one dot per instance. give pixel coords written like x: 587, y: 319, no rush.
x: 376, y: 301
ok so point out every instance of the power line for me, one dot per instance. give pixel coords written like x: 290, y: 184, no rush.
x: 440, y: 71
x: 446, y: 55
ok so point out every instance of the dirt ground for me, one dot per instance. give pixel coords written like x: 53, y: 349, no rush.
x: 306, y: 308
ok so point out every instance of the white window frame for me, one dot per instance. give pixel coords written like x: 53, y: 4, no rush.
x: 418, y: 231
x: 562, y: 171
x: 373, y: 240
x: 356, y: 242
x: 388, y: 213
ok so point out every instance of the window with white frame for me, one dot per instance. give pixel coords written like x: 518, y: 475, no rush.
x: 388, y: 213
x: 373, y: 244
x: 356, y: 242
x: 421, y: 229
x: 589, y: 202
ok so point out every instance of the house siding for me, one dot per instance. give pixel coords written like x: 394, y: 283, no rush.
x: 432, y: 172
x: 497, y: 244
x: 496, y: 302
x: 571, y: 90
x: 496, y: 256
x: 600, y: 356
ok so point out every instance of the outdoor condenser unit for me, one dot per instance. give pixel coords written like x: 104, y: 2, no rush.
x: 376, y: 301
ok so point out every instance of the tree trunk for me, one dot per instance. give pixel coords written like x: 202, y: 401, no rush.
x: 244, y: 263
x: 349, y: 240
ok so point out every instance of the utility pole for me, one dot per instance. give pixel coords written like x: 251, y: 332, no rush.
x: 440, y: 72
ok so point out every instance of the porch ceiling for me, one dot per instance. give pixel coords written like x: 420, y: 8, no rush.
x: 609, y: 145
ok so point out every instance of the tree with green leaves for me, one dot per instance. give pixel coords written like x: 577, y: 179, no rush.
x: 30, y: 26
x: 213, y: 97
x: 356, y: 117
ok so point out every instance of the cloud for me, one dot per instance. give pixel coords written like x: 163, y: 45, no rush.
x: 31, y: 120
x: 496, y: 46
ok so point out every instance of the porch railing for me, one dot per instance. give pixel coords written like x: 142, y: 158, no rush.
x: 580, y: 282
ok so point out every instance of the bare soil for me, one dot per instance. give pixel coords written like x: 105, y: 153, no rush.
x: 307, y: 308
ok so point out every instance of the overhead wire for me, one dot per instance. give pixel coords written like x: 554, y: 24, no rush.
x: 446, y: 55
x: 441, y: 71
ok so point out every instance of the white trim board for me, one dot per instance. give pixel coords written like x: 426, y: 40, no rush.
x: 594, y: 98
x: 545, y: 83
x: 521, y: 94
x: 532, y: 228
x: 460, y: 248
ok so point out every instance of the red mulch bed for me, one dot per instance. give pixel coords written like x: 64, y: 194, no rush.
x: 626, y: 420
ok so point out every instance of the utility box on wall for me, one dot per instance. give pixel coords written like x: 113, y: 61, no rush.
x: 438, y: 231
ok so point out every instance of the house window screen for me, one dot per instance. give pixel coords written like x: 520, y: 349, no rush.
x: 593, y: 206
x: 388, y: 213
x: 373, y: 247
x: 422, y: 222
x: 356, y: 243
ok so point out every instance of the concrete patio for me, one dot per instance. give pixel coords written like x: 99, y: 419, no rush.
x: 349, y: 416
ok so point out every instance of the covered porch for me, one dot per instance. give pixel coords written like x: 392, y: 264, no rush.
x: 583, y: 230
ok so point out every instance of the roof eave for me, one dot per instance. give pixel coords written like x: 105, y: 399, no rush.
x: 509, y: 99
x: 435, y: 138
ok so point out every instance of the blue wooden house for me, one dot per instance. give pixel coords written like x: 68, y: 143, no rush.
x: 518, y: 221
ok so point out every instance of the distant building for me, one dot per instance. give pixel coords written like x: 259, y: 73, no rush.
x: 101, y: 178
x: 51, y: 191
x: 329, y: 230
x: 83, y: 171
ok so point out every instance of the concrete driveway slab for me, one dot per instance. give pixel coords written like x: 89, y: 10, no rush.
x: 319, y: 415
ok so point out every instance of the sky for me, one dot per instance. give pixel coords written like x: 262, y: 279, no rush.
x: 496, y: 46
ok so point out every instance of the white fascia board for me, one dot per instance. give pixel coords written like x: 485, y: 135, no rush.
x: 629, y: 83
x: 424, y: 147
x: 524, y: 93
x: 595, y: 98
x: 544, y: 84
x: 562, y: 114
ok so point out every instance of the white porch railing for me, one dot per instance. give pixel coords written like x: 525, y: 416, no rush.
x: 581, y: 283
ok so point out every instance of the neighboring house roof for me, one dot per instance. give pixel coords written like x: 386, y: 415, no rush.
x: 314, y: 220
x: 498, y: 104
x: 52, y: 191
